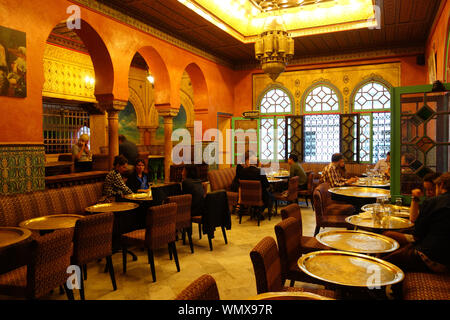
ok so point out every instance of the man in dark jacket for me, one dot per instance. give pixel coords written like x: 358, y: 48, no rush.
x: 128, y: 149
x: 428, y: 249
x: 252, y: 172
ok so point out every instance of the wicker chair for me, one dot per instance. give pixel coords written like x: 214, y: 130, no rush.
x: 308, y: 193
x: 159, y: 231
x: 92, y: 241
x: 308, y: 244
x: 291, y: 248
x: 183, y: 220
x: 426, y: 286
x: 46, y: 269
x: 323, y: 217
x: 203, y: 288
x: 290, y: 196
x: 251, y: 198
x: 267, y: 267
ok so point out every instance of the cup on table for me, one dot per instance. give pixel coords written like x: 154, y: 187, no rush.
x: 377, y: 214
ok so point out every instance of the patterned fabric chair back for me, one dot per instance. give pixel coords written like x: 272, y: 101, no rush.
x: 289, y: 238
x: 251, y: 193
x: 50, y: 258
x: 293, y: 211
x: 318, y: 206
x: 325, y: 195
x: 293, y: 189
x: 267, y: 266
x: 93, y: 238
x: 161, y: 224
x: 68, y: 200
x: 221, y: 179
x: 203, y: 288
x: 184, y: 203
x: 310, y: 181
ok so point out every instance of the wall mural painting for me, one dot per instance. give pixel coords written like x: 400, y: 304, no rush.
x: 128, y: 123
x: 178, y: 122
x: 13, y: 66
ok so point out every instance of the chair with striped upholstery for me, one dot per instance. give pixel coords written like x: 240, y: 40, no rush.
x: 323, y: 217
x: 308, y: 244
x: 183, y: 220
x: 92, y: 241
x: 251, y: 198
x: 267, y: 267
x: 159, y: 232
x: 290, y: 196
x: 308, y: 193
x: 291, y: 245
x: 45, y: 270
x: 426, y: 286
x: 221, y: 180
x: 203, y: 288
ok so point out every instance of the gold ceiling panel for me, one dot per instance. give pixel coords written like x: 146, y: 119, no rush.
x: 244, y: 19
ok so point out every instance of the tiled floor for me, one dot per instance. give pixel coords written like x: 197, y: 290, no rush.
x: 229, y: 264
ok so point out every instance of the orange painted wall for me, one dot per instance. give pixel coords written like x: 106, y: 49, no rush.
x: 437, y: 40
x: 411, y: 74
x: 22, y: 120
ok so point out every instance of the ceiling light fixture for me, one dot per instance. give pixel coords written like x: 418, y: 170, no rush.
x: 274, y: 48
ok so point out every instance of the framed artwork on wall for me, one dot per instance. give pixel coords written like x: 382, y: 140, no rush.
x: 13, y: 65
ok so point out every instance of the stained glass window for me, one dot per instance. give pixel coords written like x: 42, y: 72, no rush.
x: 273, y: 129
x: 322, y: 99
x: 321, y: 131
x: 276, y: 101
x: 375, y: 126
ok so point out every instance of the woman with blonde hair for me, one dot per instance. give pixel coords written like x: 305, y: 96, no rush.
x: 81, y: 154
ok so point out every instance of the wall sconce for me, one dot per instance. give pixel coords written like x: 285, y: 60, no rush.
x: 151, y: 79
x: 89, y: 82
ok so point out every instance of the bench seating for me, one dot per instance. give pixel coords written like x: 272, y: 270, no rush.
x: 352, y: 169
x: 426, y: 286
x: 69, y: 200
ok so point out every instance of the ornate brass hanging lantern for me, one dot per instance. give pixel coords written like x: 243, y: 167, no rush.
x: 274, y: 48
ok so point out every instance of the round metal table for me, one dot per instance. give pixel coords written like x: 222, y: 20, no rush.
x: 51, y: 222
x: 358, y: 196
x: 386, y: 223
x: 357, y: 241
x: 350, y: 269
x: 10, y: 236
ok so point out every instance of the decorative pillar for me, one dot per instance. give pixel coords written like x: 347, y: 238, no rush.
x: 168, y: 114
x: 112, y: 107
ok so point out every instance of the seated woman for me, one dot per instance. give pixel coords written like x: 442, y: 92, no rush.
x: 138, y: 179
x: 428, y: 248
x: 193, y: 186
x: 114, y: 187
x: 81, y: 154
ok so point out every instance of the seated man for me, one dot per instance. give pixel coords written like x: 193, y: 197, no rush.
x: 428, y: 248
x: 296, y: 170
x: 384, y: 165
x: 430, y: 191
x: 114, y: 187
x: 333, y: 173
x: 252, y: 172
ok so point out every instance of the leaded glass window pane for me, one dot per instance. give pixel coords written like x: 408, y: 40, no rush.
x: 267, y: 143
x: 381, y: 135
x: 372, y: 96
x: 322, y: 99
x: 276, y: 101
x: 364, y: 138
x: 281, y: 138
x: 321, y: 133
